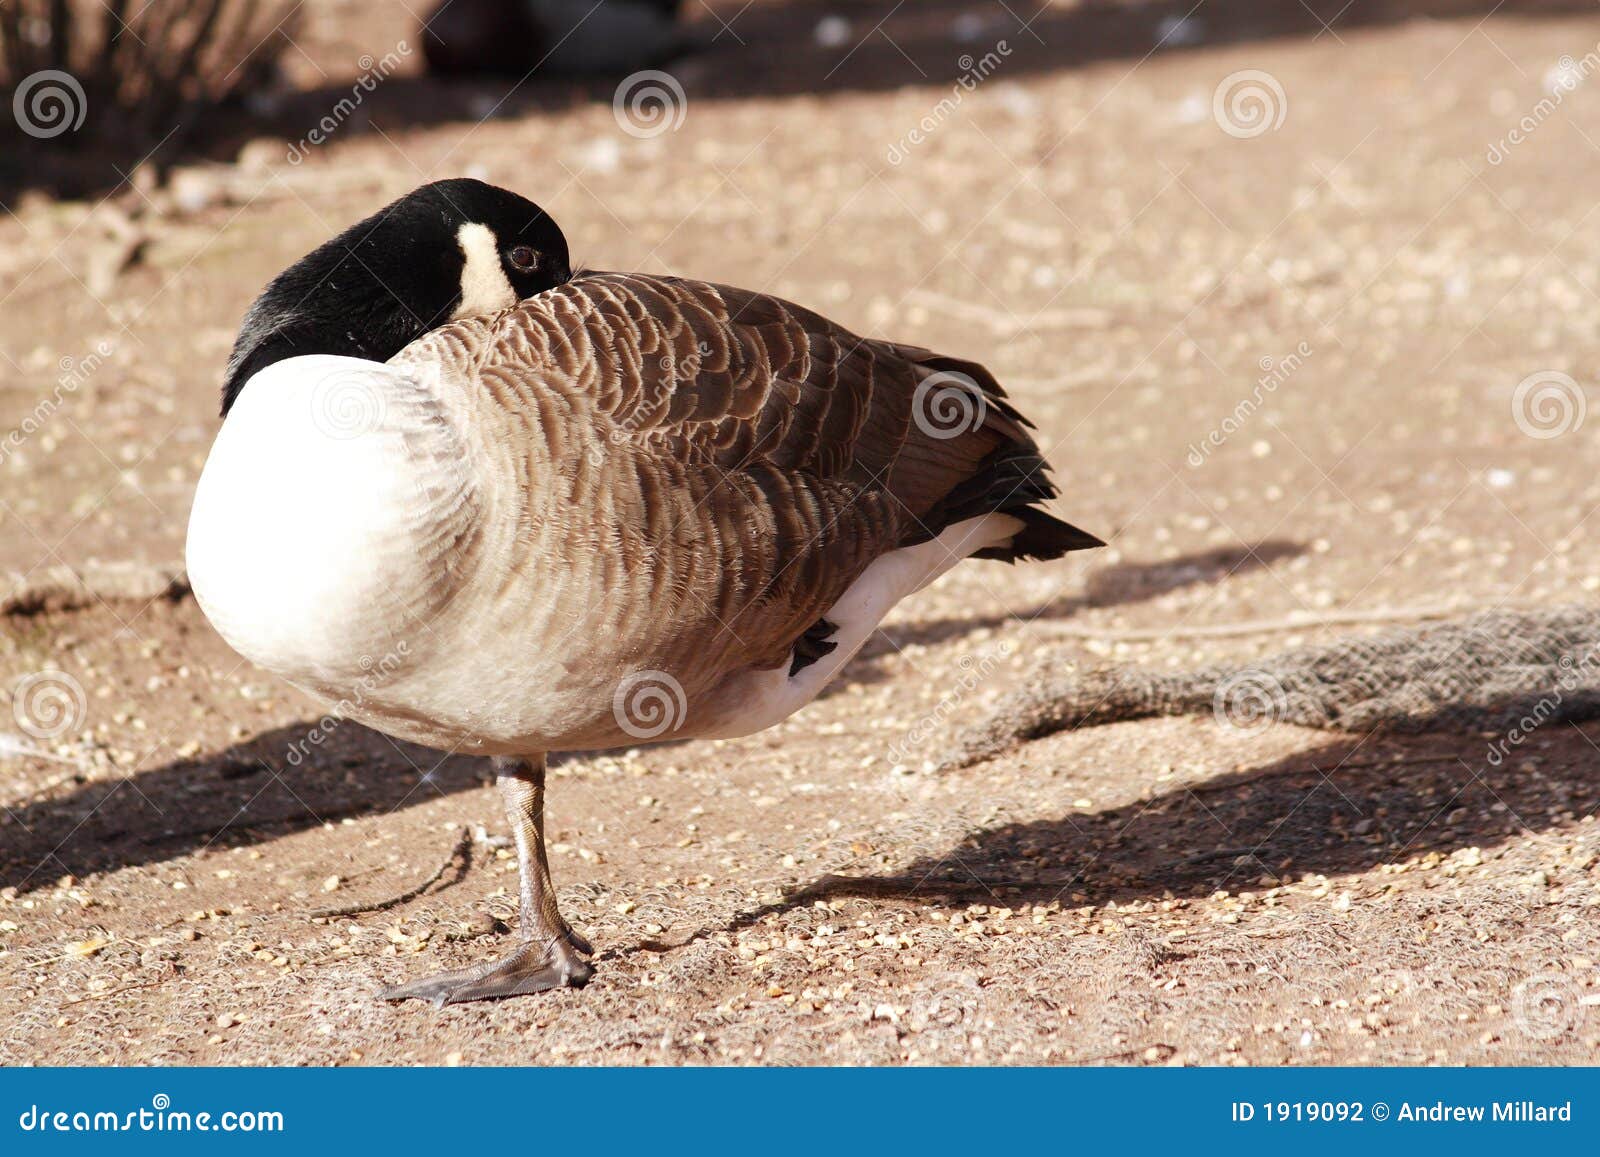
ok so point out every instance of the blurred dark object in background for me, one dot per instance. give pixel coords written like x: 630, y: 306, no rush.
x: 565, y: 37
x: 140, y: 67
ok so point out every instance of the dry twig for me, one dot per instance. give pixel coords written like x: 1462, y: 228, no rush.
x: 462, y: 851
x: 65, y: 588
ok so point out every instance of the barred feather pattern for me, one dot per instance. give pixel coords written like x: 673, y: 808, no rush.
x: 738, y: 461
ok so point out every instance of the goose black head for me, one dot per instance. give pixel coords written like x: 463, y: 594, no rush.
x: 450, y: 249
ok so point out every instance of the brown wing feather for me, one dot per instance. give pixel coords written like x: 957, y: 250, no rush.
x: 737, y: 377
x: 754, y: 457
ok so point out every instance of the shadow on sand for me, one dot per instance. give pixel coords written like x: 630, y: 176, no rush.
x: 277, y: 783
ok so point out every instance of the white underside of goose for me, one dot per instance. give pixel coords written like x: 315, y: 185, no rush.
x: 765, y: 698
x: 302, y: 540
x: 320, y: 548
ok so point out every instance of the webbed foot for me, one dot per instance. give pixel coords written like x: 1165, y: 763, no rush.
x: 531, y: 968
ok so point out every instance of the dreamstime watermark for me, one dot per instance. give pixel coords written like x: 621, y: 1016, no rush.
x: 674, y: 371
x: 649, y: 103
x: 1548, y: 404
x: 949, y: 1001
x: 373, y: 73
x: 649, y: 704
x: 1273, y: 375
x: 49, y: 704
x: 1568, y: 75
x: 74, y: 373
x: 1547, y: 1006
x: 973, y: 73
x: 973, y: 670
x: 947, y: 404
x: 1249, y: 103
x: 954, y: 1017
x: 1575, y: 673
x: 376, y: 673
x: 1249, y: 701
x: 160, y: 1117
x: 49, y: 103
x: 352, y: 402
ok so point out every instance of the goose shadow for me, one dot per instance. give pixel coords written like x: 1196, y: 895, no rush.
x: 271, y: 785
x: 280, y: 782
x: 763, y: 50
x: 1340, y: 809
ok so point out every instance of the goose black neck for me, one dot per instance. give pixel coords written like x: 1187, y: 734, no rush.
x: 335, y: 302
x: 407, y: 269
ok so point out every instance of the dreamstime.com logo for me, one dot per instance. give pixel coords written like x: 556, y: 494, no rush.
x: 1575, y: 673
x: 649, y: 704
x: 1547, y: 1006
x: 353, y: 402
x: 973, y: 73
x: 373, y: 73
x: 1548, y: 404
x: 49, y: 103
x: 376, y: 673
x: 673, y: 370
x: 948, y: 404
x: 74, y: 373
x: 973, y: 670
x: 347, y: 404
x: 1560, y: 82
x: 49, y: 704
x: 160, y: 1117
x: 1249, y: 701
x: 1249, y: 103
x: 1274, y: 372
x: 649, y: 103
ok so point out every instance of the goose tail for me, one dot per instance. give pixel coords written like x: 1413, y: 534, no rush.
x: 1043, y: 536
x: 1005, y: 472
x: 1015, y: 479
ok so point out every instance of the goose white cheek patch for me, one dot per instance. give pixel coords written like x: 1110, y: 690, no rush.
x: 485, y: 288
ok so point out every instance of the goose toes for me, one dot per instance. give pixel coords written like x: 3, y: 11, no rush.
x: 531, y: 968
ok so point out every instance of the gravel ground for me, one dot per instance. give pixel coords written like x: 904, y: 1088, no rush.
x: 1281, y: 371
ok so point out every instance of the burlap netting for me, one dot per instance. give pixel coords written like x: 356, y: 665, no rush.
x: 1493, y: 671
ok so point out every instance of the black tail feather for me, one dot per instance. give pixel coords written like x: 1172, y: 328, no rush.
x: 1013, y: 480
x: 1043, y: 536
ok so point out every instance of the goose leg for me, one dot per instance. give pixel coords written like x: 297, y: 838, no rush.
x: 550, y: 954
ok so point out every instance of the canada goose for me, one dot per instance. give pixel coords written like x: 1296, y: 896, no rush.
x: 626, y: 508
x: 518, y: 38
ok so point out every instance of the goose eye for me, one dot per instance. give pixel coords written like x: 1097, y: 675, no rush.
x: 524, y: 258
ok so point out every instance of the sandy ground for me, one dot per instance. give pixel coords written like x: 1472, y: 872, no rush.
x: 1162, y: 892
